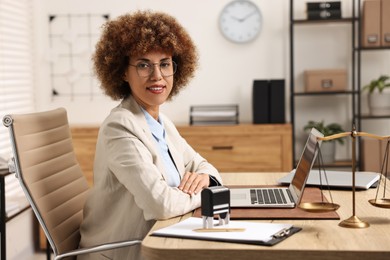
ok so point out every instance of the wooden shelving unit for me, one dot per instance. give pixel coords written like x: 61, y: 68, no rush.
x: 294, y: 94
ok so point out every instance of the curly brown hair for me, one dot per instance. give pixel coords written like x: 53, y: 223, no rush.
x: 136, y: 34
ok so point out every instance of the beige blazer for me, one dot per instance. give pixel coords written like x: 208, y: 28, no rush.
x: 130, y: 192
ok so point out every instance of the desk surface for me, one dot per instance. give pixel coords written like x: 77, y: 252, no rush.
x: 319, y: 239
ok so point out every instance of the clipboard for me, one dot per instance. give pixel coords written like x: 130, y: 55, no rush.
x: 254, y: 233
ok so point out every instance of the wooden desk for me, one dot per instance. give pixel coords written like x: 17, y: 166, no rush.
x: 319, y: 239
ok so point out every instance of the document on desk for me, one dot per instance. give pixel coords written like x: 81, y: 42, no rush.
x: 236, y: 232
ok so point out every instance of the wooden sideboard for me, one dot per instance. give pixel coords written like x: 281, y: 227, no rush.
x: 230, y: 148
x: 243, y: 147
x: 84, y: 144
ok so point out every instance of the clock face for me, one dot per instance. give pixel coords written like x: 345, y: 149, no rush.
x: 240, y: 21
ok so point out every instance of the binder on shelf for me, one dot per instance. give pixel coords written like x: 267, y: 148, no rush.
x: 323, y: 10
x: 323, y: 14
x: 314, y: 6
x: 276, y: 97
x: 260, y: 101
x: 385, y: 23
x: 214, y: 115
x: 268, y: 101
x: 371, y: 23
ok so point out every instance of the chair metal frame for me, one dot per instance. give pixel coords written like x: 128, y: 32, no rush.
x: 8, y: 122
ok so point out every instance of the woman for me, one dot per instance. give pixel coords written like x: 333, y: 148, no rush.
x: 144, y: 170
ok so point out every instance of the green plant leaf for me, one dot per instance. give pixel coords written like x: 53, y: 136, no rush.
x: 377, y: 84
x: 326, y: 130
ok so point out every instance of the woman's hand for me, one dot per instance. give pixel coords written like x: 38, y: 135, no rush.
x: 193, y: 183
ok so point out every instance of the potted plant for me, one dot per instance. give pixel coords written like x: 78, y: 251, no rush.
x: 328, y: 148
x: 379, y: 96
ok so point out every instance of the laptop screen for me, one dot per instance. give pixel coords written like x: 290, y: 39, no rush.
x: 305, y: 164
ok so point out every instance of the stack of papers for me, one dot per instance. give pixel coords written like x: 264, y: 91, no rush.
x: 253, y: 232
x: 214, y: 115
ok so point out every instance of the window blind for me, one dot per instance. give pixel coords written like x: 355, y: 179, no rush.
x: 16, y: 63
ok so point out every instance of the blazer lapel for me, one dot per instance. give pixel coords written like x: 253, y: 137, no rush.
x: 176, y: 156
x: 148, y: 139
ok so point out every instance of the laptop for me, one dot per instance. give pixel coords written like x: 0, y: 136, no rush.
x: 337, y: 179
x: 281, y: 197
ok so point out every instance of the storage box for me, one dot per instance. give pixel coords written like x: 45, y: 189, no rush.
x: 373, y: 153
x: 323, y: 10
x: 371, y: 23
x: 323, y: 5
x: 385, y: 23
x: 324, y: 14
x: 325, y: 80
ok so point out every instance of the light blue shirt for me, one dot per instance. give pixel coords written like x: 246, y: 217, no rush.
x: 158, y: 132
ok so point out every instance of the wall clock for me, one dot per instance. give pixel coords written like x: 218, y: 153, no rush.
x: 240, y: 21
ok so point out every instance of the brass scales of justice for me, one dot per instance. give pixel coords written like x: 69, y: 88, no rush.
x: 382, y: 202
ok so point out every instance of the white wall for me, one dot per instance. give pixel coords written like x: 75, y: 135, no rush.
x: 227, y: 70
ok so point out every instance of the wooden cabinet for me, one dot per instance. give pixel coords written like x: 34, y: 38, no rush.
x: 235, y: 148
x: 244, y: 147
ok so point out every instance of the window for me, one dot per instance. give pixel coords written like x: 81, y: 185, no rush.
x: 16, y: 63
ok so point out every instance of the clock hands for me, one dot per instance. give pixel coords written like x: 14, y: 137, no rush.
x: 240, y: 21
x: 247, y: 16
x: 244, y: 18
x: 235, y: 18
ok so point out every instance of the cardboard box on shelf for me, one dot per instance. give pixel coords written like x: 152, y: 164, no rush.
x: 325, y: 80
x: 385, y: 25
x: 371, y: 23
x: 373, y: 154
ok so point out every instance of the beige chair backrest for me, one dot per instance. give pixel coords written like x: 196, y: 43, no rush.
x: 46, y: 164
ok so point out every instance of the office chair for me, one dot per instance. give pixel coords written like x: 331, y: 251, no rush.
x: 52, y: 180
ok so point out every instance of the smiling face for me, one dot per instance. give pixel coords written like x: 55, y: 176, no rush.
x: 153, y: 90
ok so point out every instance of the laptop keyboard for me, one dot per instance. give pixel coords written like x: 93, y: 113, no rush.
x: 269, y: 196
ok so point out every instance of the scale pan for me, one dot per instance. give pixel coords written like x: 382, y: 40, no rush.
x: 381, y: 203
x: 318, y: 206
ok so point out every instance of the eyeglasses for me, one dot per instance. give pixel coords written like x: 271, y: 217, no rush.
x: 146, y: 69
